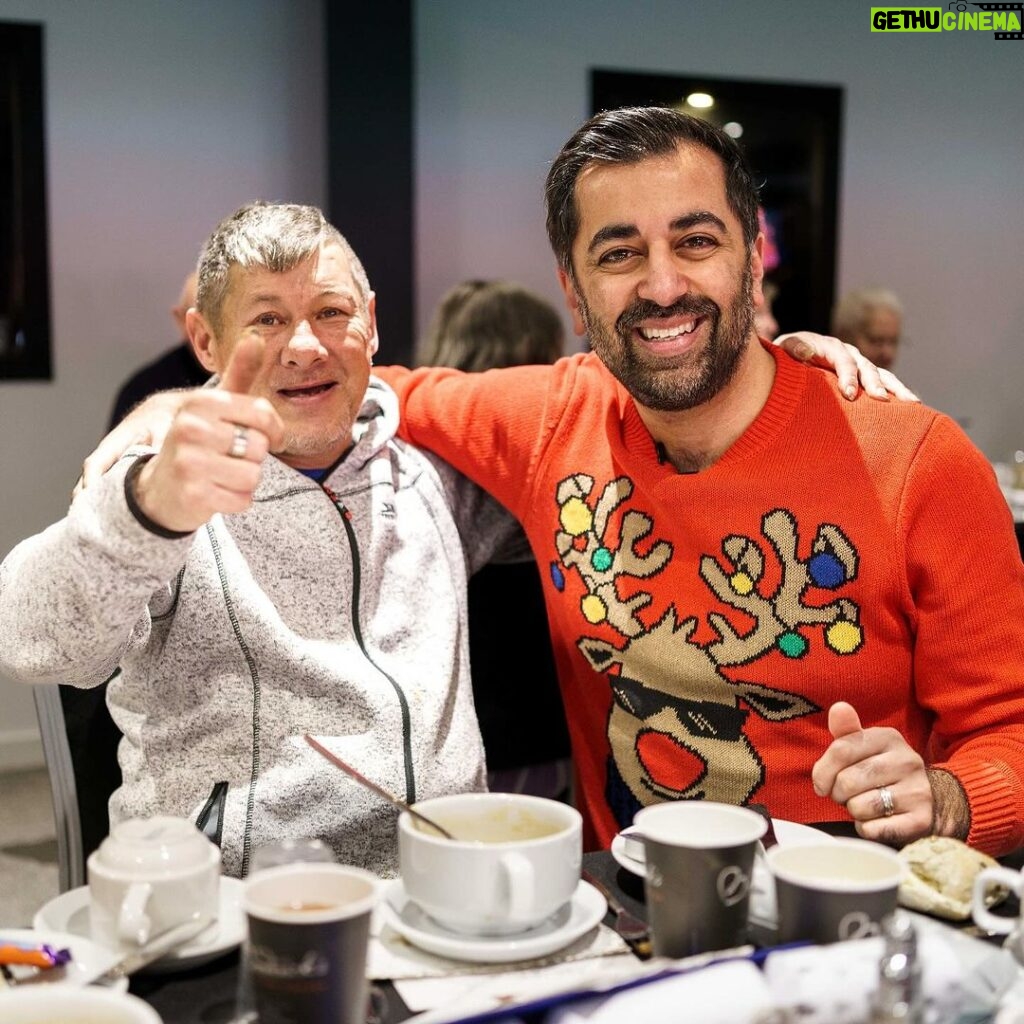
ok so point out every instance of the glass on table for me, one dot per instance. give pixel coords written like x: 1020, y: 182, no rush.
x: 290, y: 851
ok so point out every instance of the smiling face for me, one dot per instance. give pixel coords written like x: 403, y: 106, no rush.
x: 664, y: 284
x: 318, y: 331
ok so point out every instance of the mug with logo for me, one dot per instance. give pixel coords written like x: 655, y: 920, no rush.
x: 699, y: 857
x: 149, y: 875
x: 305, y: 955
x: 831, y: 892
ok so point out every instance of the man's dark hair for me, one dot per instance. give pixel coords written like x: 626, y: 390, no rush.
x: 627, y: 136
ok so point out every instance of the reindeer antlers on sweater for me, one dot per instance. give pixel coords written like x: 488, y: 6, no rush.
x: 833, y: 562
x: 583, y: 543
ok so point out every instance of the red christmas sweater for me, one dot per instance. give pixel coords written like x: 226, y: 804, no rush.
x: 704, y: 623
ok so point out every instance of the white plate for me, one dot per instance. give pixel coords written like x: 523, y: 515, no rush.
x: 87, y: 958
x: 583, y: 912
x: 69, y: 912
x: 763, y: 909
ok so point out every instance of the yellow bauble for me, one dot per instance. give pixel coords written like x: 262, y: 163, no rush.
x: 575, y: 517
x: 594, y: 609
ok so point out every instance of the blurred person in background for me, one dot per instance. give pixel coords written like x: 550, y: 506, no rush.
x: 483, y: 325
x: 176, y: 368
x: 872, y: 320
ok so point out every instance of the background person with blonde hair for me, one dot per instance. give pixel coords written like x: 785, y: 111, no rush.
x: 484, y: 325
x: 872, y: 320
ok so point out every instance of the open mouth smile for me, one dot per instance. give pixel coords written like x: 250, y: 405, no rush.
x: 307, y: 390
x: 669, y: 333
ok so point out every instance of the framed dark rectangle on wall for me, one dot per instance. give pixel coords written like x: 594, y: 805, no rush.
x: 790, y: 133
x: 24, y: 263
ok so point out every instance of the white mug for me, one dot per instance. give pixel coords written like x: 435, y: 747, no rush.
x: 149, y: 875
x: 514, y: 862
x: 984, y: 918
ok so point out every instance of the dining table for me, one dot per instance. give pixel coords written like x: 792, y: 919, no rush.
x: 208, y: 994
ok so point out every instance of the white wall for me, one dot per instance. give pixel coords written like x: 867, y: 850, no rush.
x: 931, y: 190
x: 161, y: 118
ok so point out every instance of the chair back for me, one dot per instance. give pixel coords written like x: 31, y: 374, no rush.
x: 50, y: 713
x: 80, y: 745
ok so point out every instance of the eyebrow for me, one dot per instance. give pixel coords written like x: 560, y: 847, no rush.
x: 272, y: 299
x: 617, y: 232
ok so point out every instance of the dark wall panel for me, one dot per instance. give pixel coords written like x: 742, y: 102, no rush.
x: 370, y: 154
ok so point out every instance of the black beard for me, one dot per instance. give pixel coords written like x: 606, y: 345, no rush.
x: 700, y: 376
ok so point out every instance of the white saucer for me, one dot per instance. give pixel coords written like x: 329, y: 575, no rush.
x: 87, y: 958
x: 583, y: 912
x: 763, y: 909
x: 69, y: 912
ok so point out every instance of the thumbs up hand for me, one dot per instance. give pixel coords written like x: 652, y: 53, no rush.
x: 216, y: 440
x: 877, y: 776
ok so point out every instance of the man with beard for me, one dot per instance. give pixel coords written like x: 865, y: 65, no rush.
x: 756, y: 590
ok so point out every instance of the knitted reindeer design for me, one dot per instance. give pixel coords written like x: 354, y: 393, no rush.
x: 676, y: 724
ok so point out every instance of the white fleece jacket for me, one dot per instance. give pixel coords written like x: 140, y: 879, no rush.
x: 337, y: 610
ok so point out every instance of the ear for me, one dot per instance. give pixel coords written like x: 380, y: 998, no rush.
x: 373, y: 341
x: 757, y: 269
x: 572, y: 300
x: 601, y: 654
x: 202, y: 339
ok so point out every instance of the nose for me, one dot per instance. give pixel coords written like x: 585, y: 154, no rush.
x: 664, y: 280
x: 304, y: 347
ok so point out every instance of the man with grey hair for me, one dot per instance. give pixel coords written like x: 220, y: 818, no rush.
x: 237, y: 600
x: 871, y: 319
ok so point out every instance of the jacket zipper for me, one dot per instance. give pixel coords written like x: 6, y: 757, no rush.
x: 346, y: 519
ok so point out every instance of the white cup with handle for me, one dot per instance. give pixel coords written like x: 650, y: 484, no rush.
x: 514, y: 862
x: 149, y: 875
x: 981, y: 899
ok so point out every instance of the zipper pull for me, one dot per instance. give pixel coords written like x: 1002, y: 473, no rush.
x: 338, y: 503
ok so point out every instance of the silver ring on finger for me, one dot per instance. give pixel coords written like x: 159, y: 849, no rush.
x: 886, y: 800
x: 239, y: 443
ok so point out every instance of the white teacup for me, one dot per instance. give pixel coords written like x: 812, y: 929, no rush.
x: 48, y: 1004
x: 1012, y: 927
x: 515, y: 860
x: 149, y: 875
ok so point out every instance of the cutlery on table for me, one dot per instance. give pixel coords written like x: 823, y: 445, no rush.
x: 373, y: 787
x: 628, y: 927
x: 164, y: 943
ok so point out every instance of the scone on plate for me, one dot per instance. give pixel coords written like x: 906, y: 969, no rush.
x: 940, y: 877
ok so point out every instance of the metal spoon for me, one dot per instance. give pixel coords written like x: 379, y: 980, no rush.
x: 364, y: 781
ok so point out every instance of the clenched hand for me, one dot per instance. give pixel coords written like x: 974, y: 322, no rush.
x: 860, y: 762
x: 193, y: 475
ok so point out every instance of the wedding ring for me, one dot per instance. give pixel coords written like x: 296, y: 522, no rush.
x: 885, y: 798
x: 239, y: 443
